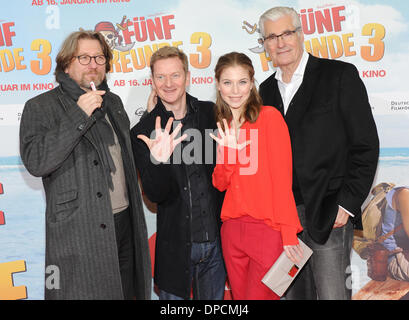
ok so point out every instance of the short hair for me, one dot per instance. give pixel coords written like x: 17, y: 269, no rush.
x: 70, y: 46
x: 253, y: 104
x: 169, y: 52
x: 276, y: 13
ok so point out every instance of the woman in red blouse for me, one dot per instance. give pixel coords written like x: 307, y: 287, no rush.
x: 254, y: 167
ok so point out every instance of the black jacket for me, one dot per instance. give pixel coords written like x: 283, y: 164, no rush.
x: 169, y: 187
x: 334, y: 141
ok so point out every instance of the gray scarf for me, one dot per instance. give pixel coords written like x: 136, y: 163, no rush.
x: 102, y: 131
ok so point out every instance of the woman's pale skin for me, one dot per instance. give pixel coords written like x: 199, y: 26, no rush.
x: 235, y: 87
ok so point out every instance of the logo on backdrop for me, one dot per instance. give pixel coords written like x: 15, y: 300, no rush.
x: 123, y: 36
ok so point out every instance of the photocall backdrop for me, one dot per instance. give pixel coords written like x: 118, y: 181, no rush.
x: 371, y: 34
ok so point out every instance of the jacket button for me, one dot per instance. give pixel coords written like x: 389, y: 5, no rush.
x: 103, y: 226
x: 96, y: 162
x: 99, y: 194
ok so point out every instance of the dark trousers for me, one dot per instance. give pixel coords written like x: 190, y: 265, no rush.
x: 126, y: 254
x: 325, y: 275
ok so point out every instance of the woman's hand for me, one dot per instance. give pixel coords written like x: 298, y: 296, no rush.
x: 294, y: 253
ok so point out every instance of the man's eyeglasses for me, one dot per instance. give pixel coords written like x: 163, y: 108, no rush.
x: 286, y: 35
x: 86, y: 60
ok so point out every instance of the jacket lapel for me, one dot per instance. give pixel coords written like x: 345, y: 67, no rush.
x: 277, y: 97
x: 301, y: 102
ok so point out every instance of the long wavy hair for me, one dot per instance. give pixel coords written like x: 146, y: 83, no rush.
x: 253, y: 104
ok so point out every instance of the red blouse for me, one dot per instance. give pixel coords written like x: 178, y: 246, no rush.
x: 258, y: 178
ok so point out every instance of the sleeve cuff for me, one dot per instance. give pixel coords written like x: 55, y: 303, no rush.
x: 289, y: 235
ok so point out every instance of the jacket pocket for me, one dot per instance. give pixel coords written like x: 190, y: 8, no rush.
x: 66, y: 204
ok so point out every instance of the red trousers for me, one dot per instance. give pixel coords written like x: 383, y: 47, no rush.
x: 250, y: 248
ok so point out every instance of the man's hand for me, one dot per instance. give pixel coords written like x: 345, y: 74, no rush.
x: 152, y: 100
x: 342, y: 218
x: 90, y: 101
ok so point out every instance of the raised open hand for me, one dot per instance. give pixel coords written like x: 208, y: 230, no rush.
x: 228, y: 137
x: 162, y: 146
x: 294, y: 253
x: 90, y: 101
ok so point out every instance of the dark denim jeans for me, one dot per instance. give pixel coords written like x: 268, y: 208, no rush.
x: 325, y: 276
x: 207, y: 272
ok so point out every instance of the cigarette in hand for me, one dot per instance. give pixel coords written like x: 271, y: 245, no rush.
x: 92, y: 85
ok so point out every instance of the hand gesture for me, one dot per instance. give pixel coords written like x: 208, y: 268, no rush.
x: 162, y: 146
x: 152, y: 100
x: 294, y: 253
x: 228, y: 137
x: 90, y: 101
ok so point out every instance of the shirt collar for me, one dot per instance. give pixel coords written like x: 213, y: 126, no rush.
x: 299, y: 72
x: 190, y: 106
